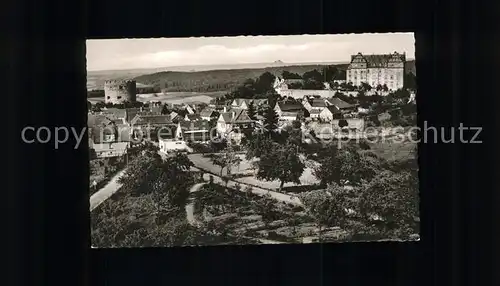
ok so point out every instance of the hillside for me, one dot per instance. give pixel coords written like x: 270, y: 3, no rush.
x: 216, y: 79
x: 206, y: 80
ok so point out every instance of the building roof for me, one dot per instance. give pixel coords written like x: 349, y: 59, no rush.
x: 193, y: 117
x: 317, y: 102
x: 207, y: 112
x: 195, y: 126
x: 293, y: 80
x: 290, y: 114
x: 259, y: 101
x: 131, y: 113
x: 339, y: 103
x: 114, y: 112
x: 241, y: 116
x: 151, y: 119
x: 290, y: 106
x: 115, y: 146
x: 377, y: 61
x: 333, y: 109
x: 236, y: 116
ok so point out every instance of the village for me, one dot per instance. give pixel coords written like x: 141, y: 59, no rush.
x: 274, y: 137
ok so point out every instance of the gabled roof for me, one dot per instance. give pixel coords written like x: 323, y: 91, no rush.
x: 116, y: 112
x: 259, y: 101
x: 375, y: 61
x: 339, y: 103
x: 193, y: 116
x: 290, y: 113
x: 290, y: 106
x: 116, y: 146
x: 289, y: 81
x: 131, y: 113
x: 226, y: 116
x: 236, y: 116
x: 333, y: 109
x: 317, y: 102
x: 207, y: 112
x: 241, y: 117
x: 195, y: 126
x: 151, y: 119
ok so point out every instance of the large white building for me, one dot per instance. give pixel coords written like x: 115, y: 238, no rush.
x: 377, y: 70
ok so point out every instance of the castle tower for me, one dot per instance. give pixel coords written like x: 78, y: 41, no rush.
x: 119, y: 91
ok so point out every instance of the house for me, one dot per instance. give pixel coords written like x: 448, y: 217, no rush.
x: 208, y: 114
x: 102, y: 129
x: 290, y: 116
x: 196, y: 131
x: 329, y: 113
x: 314, y: 103
x: 109, y: 150
x: 242, y: 103
x: 287, y: 110
x: 173, y: 115
x: 192, y: 117
x: 173, y: 142
x: 285, y: 84
x: 343, y: 106
x: 314, y: 113
x: 147, y: 126
x: 231, y: 124
x: 189, y: 109
x: 382, y: 69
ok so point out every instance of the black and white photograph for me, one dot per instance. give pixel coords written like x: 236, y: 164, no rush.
x: 252, y: 140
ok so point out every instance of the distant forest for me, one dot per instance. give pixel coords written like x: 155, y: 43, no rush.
x: 221, y: 80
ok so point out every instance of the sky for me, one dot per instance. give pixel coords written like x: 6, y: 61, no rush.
x: 169, y: 52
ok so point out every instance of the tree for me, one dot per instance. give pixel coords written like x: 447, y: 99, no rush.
x: 330, y: 73
x: 258, y: 146
x: 264, y: 83
x: 343, y: 123
x: 393, y: 198
x: 313, y: 75
x: 225, y: 160
x: 410, y: 81
x: 150, y: 174
x: 329, y: 169
x: 281, y: 163
x: 313, y: 85
x: 320, y: 206
x: 251, y: 111
x: 347, y: 166
x: 365, y: 86
x: 165, y: 110
x: 290, y: 75
x: 270, y: 120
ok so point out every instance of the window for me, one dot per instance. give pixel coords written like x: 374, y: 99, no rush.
x: 119, y: 97
x: 109, y: 97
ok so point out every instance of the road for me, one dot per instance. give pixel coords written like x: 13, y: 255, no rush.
x: 190, y: 206
x: 258, y: 191
x: 105, y: 192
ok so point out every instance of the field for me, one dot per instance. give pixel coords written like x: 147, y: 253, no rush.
x: 173, y: 97
x: 247, y: 215
x: 392, y: 150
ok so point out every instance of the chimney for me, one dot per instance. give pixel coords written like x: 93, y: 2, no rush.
x: 225, y: 109
x: 233, y: 114
x: 110, y: 145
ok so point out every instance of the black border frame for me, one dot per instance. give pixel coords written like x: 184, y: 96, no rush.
x: 45, y: 60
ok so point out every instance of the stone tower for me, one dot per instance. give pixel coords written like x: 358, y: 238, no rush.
x: 119, y: 91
